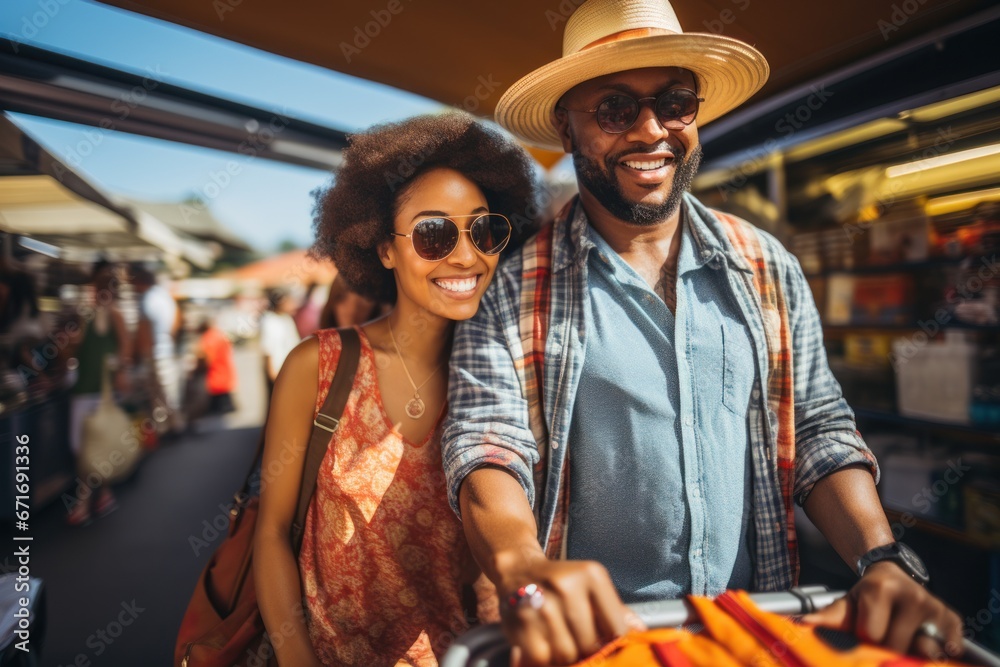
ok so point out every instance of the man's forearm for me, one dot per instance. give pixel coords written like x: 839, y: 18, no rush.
x: 845, y: 506
x: 575, y: 608
x: 499, y: 524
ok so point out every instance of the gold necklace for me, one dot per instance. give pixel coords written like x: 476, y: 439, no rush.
x: 415, y: 406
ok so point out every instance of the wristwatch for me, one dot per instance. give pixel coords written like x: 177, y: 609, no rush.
x: 900, y: 554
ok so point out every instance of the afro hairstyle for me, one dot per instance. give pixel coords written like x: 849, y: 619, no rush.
x: 355, y: 213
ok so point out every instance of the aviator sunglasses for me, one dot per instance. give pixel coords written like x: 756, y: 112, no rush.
x: 435, y: 238
x: 674, y: 108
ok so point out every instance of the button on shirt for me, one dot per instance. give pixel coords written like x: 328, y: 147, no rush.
x: 660, y: 476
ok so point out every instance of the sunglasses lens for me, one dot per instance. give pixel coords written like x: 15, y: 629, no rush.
x: 617, y: 113
x: 677, y: 105
x: 435, y: 238
x: 490, y: 233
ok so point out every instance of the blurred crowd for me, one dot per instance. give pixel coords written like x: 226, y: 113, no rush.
x: 116, y: 364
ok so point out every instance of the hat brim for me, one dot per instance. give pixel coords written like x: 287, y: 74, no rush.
x: 729, y: 72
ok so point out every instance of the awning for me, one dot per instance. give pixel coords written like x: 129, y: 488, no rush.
x: 40, y: 208
x: 43, y: 199
x: 287, y: 269
x: 189, y: 219
x: 468, y: 53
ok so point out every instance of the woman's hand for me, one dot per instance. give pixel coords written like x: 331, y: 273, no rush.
x: 580, y: 610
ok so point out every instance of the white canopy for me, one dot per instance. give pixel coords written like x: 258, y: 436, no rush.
x: 42, y: 199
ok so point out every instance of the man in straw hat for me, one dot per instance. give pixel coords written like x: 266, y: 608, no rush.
x: 670, y: 462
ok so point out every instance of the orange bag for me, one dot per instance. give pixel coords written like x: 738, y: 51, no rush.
x: 738, y: 633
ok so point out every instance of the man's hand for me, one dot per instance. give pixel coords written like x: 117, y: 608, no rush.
x: 580, y: 612
x: 888, y: 607
x: 580, y: 608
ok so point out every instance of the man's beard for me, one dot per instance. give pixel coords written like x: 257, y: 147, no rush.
x: 604, y: 185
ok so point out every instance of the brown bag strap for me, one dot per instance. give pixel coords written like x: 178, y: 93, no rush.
x: 325, y: 424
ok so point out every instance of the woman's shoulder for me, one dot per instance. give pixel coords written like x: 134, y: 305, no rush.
x: 315, y: 355
x: 304, y: 357
x: 297, y: 381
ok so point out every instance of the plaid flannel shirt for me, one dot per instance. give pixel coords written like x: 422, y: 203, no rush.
x: 516, y: 364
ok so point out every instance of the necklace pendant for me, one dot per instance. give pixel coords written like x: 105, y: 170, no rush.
x: 415, y: 408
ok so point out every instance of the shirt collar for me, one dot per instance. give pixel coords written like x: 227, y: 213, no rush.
x: 710, y: 236
x: 698, y: 224
x: 694, y: 251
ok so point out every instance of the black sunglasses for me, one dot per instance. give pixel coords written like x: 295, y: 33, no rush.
x: 435, y: 238
x: 674, y: 108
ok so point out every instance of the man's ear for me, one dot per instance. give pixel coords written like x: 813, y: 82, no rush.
x: 387, y: 254
x: 560, y: 119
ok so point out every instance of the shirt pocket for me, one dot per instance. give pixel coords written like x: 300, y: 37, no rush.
x: 737, y: 367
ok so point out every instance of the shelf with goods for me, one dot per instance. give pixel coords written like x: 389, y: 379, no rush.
x: 915, y: 344
x: 910, y: 306
x: 908, y: 289
x: 940, y: 483
x: 900, y: 250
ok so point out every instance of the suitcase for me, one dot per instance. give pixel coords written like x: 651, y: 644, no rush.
x: 486, y: 646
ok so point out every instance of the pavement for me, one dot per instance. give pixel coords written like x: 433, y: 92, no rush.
x: 117, y: 588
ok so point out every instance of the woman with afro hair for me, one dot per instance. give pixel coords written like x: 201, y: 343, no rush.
x: 417, y: 217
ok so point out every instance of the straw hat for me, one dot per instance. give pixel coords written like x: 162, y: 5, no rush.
x: 607, y: 36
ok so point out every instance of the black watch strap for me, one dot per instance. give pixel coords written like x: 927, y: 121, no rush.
x: 899, y: 553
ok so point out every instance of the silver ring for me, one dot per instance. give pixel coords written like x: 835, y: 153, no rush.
x: 930, y: 630
x: 527, y: 596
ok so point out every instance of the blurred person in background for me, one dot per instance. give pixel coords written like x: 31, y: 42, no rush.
x: 383, y: 559
x: 19, y: 314
x: 307, y: 316
x: 278, y: 333
x: 158, y: 309
x: 22, y: 336
x: 345, y: 307
x: 102, y: 338
x: 215, y: 351
x: 145, y: 396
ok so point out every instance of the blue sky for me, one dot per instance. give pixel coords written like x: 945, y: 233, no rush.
x: 268, y: 201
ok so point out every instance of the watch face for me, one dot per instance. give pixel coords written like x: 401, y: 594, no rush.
x: 903, y: 555
x: 912, y: 561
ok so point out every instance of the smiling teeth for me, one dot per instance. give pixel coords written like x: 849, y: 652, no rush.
x: 646, y: 166
x: 465, y: 285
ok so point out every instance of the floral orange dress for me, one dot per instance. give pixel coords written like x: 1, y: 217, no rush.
x: 383, y: 558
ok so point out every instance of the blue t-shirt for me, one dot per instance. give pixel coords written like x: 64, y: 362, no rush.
x: 659, y: 442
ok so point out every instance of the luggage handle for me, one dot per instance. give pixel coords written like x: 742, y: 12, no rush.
x: 487, y: 643
x: 799, y: 600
